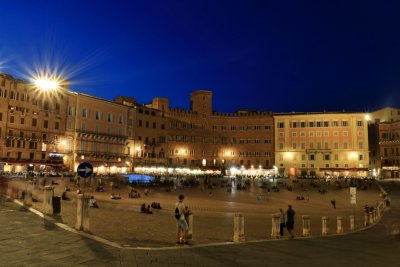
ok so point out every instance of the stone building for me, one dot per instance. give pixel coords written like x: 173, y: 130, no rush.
x: 319, y: 144
x: 385, y: 142
x: 32, y: 126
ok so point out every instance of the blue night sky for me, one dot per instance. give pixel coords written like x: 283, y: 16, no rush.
x: 262, y: 55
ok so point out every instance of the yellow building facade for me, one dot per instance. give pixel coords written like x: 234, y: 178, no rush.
x: 318, y: 144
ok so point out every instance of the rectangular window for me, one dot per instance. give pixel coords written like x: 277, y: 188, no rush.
x: 345, y: 123
x: 360, y: 157
x: 360, y: 145
x: 312, y: 157
x: 281, y: 125
x: 11, y: 119
x: 45, y: 124
x: 345, y: 133
x: 326, y: 123
x: 280, y: 146
x: 336, y: 145
x: 110, y: 117
x: 57, y: 125
x: 303, y: 145
x: 327, y: 157
x: 34, y: 122
x: 70, y: 110
x: 311, y: 145
x: 22, y: 120
x: 294, y: 145
x: 335, y: 123
x: 326, y: 145
x: 360, y: 123
x: 345, y: 145
x: 98, y: 115
x: 1, y: 116
x: 302, y: 124
x: 319, y: 124
x: 121, y: 119
x: 311, y: 124
x: 84, y: 113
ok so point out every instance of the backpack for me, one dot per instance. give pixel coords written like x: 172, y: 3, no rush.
x: 177, y: 214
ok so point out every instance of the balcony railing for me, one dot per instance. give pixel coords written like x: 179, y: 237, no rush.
x: 101, y: 153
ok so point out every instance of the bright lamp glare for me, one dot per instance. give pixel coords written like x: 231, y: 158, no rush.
x: 46, y: 84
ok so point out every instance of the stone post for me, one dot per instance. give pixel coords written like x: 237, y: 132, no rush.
x: 275, y: 231
x: 366, y: 218
x: 325, y: 228
x: 48, y: 199
x: 339, y: 225
x: 82, y: 212
x: 190, y: 224
x: 306, y: 225
x: 352, y: 223
x: 28, y: 194
x: 238, y: 228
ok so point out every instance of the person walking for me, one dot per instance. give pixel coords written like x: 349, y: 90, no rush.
x: 281, y: 222
x: 290, y: 220
x: 181, y: 224
x: 333, y: 202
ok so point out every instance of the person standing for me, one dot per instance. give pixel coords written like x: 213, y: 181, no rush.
x: 181, y: 224
x: 281, y: 222
x: 290, y: 220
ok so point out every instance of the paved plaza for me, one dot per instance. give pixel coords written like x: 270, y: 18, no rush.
x: 121, y: 222
x: 28, y: 240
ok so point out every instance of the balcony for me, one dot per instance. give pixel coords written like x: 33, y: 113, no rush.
x: 101, y: 154
x: 319, y: 150
x: 101, y: 136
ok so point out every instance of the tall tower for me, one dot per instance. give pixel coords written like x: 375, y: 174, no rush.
x: 201, y: 102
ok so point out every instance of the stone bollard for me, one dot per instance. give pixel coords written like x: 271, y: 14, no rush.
x: 82, y: 212
x: 306, y: 225
x: 366, y: 218
x: 352, y: 223
x: 190, y: 224
x: 339, y: 225
x: 28, y: 194
x: 275, y: 231
x: 48, y: 199
x: 238, y: 228
x: 325, y: 228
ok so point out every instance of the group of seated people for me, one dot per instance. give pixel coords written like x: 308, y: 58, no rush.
x: 156, y: 205
x: 144, y: 209
x: 300, y: 197
x: 134, y: 193
x: 115, y: 196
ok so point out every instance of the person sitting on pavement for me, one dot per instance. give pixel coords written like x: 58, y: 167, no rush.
x: 64, y: 196
x: 93, y: 202
x: 143, y: 208
x: 149, y: 210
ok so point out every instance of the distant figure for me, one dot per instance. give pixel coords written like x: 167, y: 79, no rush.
x: 182, y: 226
x: 149, y: 210
x: 64, y: 196
x: 281, y: 222
x: 333, y: 202
x: 290, y: 220
x: 143, y: 208
x: 93, y: 202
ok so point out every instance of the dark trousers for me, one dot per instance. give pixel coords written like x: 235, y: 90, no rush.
x: 281, y: 227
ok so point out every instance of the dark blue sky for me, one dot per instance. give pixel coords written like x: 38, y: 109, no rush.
x: 264, y: 55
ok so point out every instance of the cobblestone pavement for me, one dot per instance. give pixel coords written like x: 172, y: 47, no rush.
x: 28, y: 240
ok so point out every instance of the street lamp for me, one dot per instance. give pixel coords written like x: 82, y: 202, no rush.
x: 47, y: 84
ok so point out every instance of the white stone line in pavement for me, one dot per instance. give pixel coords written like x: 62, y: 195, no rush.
x: 115, y: 245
